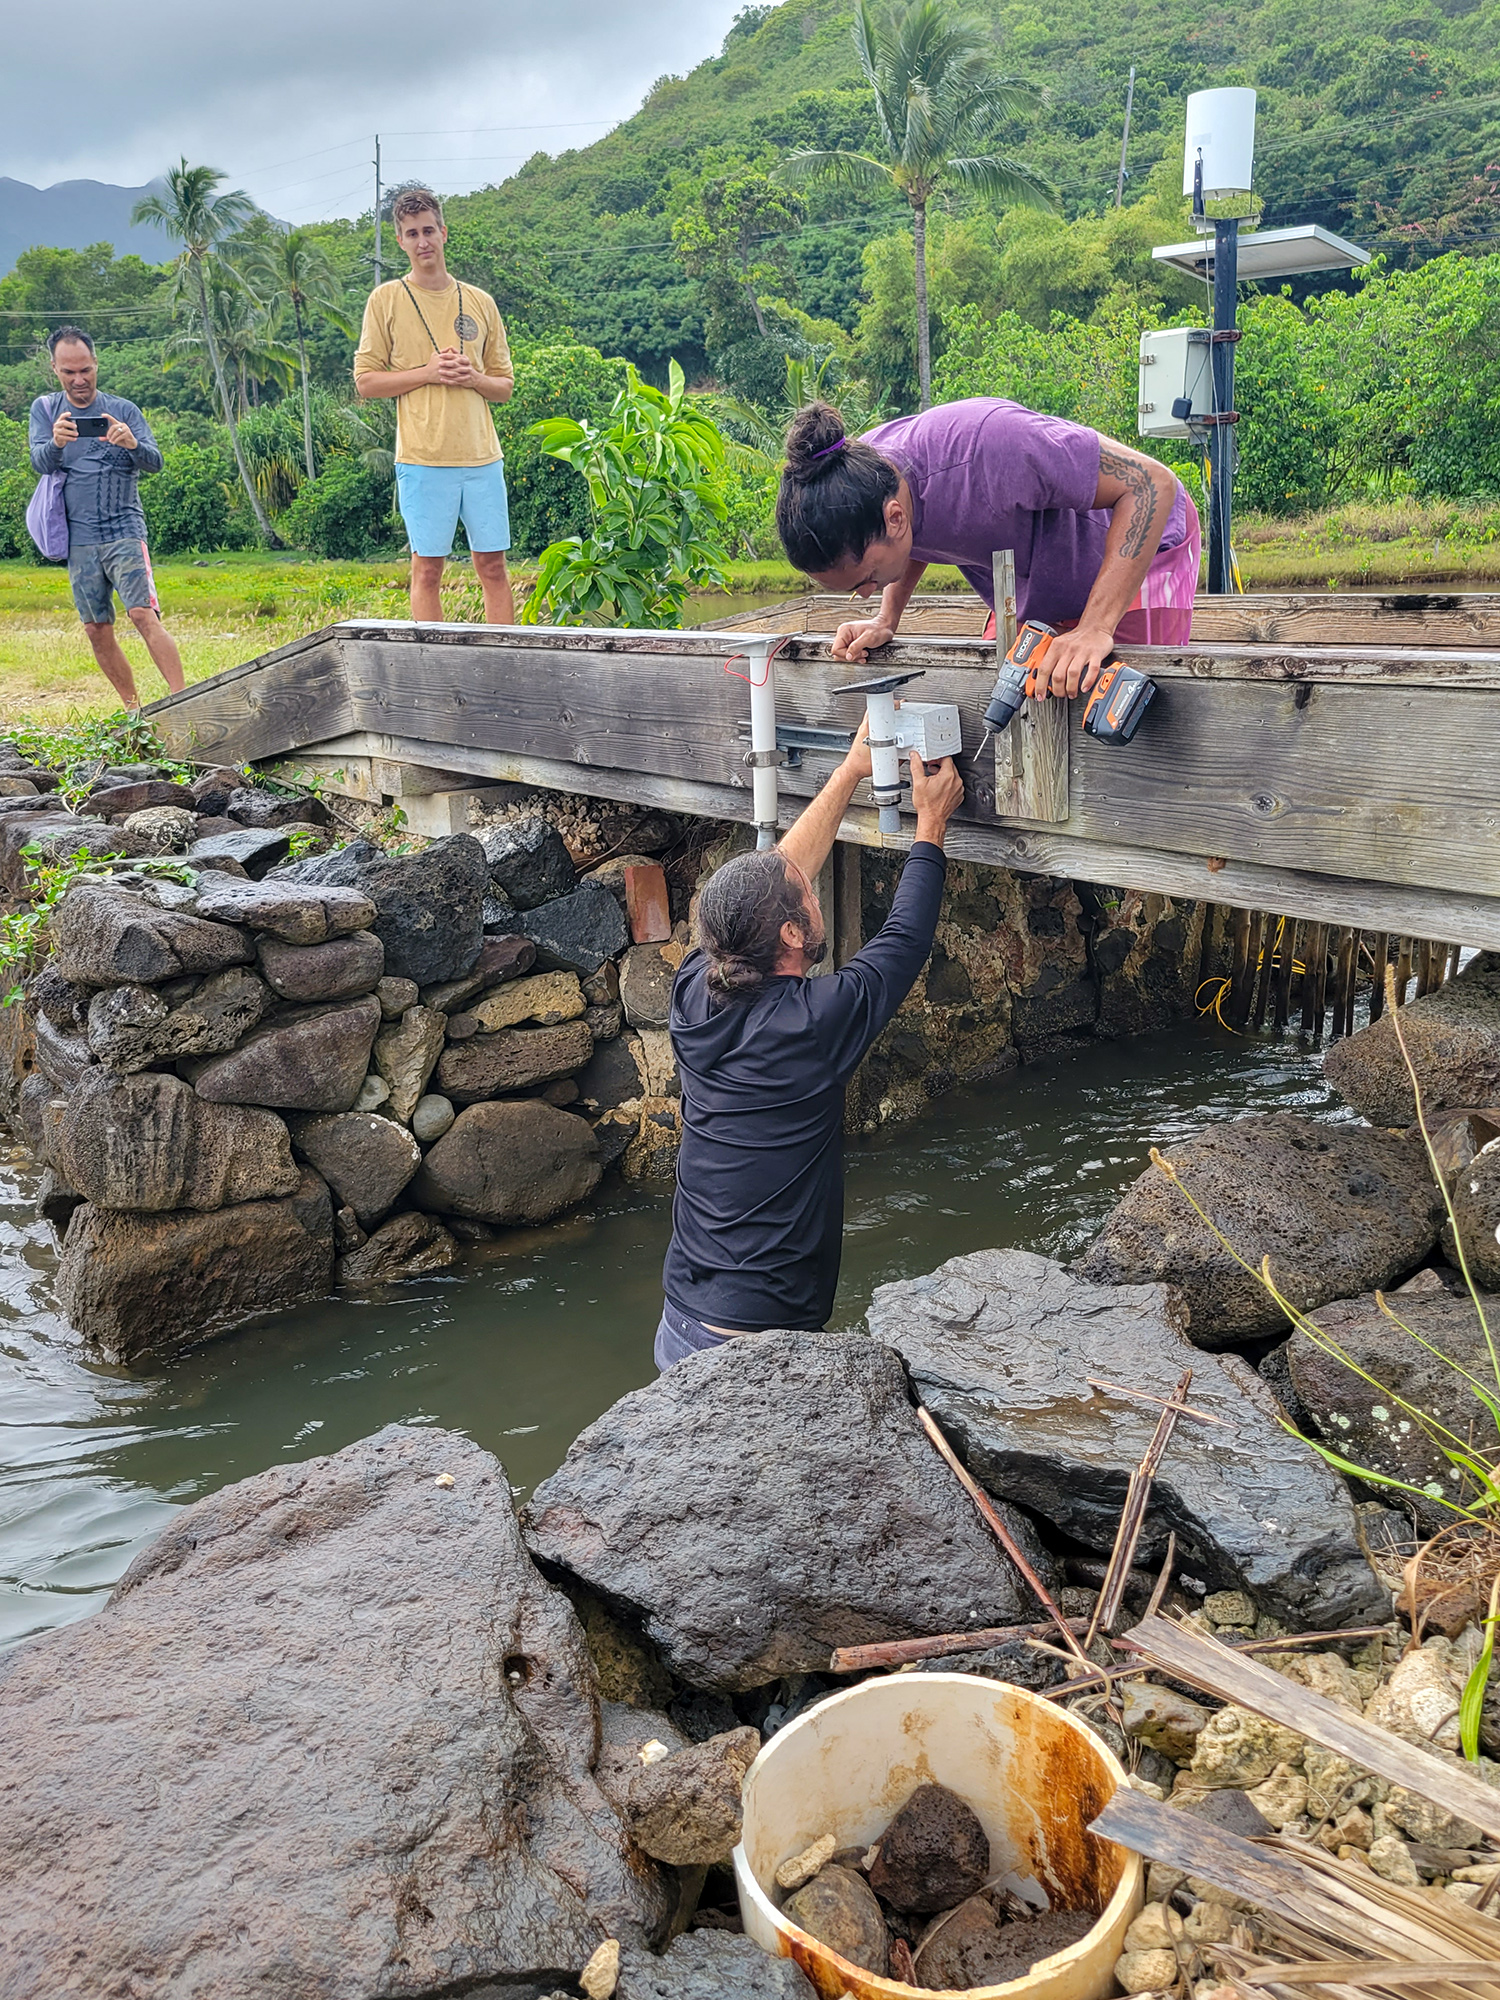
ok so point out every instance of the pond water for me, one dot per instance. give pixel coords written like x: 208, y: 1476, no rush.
x: 531, y: 1337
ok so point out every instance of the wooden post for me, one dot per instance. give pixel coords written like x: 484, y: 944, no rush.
x: 848, y: 901
x: 1382, y: 958
x: 1403, y: 971
x: 1343, y: 984
x: 1208, y: 939
x: 1455, y: 958
x: 1238, y: 967
x: 1314, y: 978
x: 824, y: 889
x: 1351, y: 994
x: 1284, y: 963
x: 1263, y: 983
x: 1031, y: 756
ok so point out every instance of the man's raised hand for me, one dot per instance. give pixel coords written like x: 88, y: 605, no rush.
x: 937, y: 791
x: 120, y: 434
x: 859, y: 638
x: 64, y: 430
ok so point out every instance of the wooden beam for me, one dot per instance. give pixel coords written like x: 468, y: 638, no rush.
x: 296, y: 695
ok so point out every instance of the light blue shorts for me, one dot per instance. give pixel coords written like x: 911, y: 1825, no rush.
x: 434, y: 498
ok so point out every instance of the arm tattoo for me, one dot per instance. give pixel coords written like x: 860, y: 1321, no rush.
x: 1141, y: 492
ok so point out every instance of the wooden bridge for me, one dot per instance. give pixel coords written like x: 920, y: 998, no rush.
x: 1335, y: 757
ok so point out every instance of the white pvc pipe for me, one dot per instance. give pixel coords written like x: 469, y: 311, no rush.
x: 763, y: 740
x: 885, y: 760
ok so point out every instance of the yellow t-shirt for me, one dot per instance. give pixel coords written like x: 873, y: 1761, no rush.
x: 435, y: 425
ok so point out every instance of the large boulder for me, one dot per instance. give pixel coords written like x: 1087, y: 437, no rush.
x: 500, y: 959
x: 252, y: 806
x: 1453, y: 1038
x: 529, y: 860
x: 111, y: 801
x: 56, y: 835
x: 366, y: 1159
x: 760, y: 1505
x: 513, y: 1059
x: 340, y: 969
x: 1357, y: 1404
x: 518, y: 1162
x: 149, y: 1143
x: 1476, y: 1217
x: 151, y: 1284
x: 132, y: 1027
x: 1001, y: 1345
x: 1340, y: 1209
x: 332, y: 1735
x: 285, y: 909
x: 406, y: 1052
x: 104, y: 936
x: 304, y: 1059
x: 428, y: 906
x: 407, y: 1246
x: 255, y: 849
x: 576, y: 933
x: 546, y: 997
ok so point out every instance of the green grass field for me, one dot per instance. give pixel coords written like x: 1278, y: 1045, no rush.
x: 226, y: 609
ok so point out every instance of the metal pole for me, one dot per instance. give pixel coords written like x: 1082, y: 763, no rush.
x: 1125, y: 141
x: 377, y: 209
x: 1221, y: 433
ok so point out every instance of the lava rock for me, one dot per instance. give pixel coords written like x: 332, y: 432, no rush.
x: 63, y: 1003
x: 366, y: 1160
x: 1453, y: 1038
x: 1162, y: 1718
x: 407, y: 1246
x: 515, y: 1059
x: 646, y: 984
x: 431, y: 1118
x: 1367, y: 1421
x: 111, y: 801
x: 305, y: 1059
x: 664, y: 1508
x: 838, y: 1908
x: 148, y: 1143
x: 57, y: 836
x: 139, y: 1285
x: 511, y: 1163
x: 1000, y: 1345
x: 296, y: 915
x: 256, y: 849
x: 685, y: 1809
x: 1340, y: 1209
x: 373, y: 1092
x: 62, y: 1058
x: 18, y: 788
x: 1476, y: 1217
x: 576, y: 933
x: 604, y: 1023
x: 342, y: 969
x: 212, y: 790
x: 500, y: 959
x: 251, y: 806
x: 974, y: 1950
x: 1016, y: 1664
x: 354, y: 1799
x: 710, y: 1965
x: 406, y: 1052
x: 56, y: 1201
x: 132, y: 1027
x: 528, y: 860
x: 162, y: 827
x: 546, y: 998
x: 428, y: 906
x: 933, y: 1854
x: 1230, y: 1811
x: 611, y: 1077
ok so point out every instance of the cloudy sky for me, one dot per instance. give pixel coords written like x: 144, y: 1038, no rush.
x: 285, y: 95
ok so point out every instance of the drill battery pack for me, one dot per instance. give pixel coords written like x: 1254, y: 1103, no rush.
x: 1119, y: 699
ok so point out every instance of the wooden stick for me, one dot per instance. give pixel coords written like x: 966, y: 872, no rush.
x: 1234, y: 1646
x: 997, y: 1527
x: 1263, y: 982
x: 1343, y: 984
x: 1133, y: 1514
x: 1239, y: 966
x: 1377, y: 974
x: 1162, y: 1402
x: 1189, y: 1656
x: 1284, y: 963
x: 1361, y: 1972
x: 1164, y: 1576
x: 900, y: 1652
x: 1319, y: 970
x: 1314, y: 947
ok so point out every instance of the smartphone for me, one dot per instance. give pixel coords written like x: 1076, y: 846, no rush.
x: 92, y: 427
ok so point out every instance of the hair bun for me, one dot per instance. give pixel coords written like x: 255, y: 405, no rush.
x: 810, y: 440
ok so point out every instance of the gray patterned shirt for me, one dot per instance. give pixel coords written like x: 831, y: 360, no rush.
x: 101, y: 490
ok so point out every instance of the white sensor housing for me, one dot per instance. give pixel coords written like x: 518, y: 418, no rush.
x: 1220, y: 125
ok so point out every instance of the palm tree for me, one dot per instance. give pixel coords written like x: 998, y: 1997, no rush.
x: 202, y: 220
x: 246, y: 347
x: 937, y: 101
x: 293, y: 265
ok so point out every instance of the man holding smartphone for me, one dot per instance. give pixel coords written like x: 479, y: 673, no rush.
x: 438, y: 346
x: 104, y: 445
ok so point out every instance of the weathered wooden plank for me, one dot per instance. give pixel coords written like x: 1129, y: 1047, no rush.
x: 1474, y: 919
x: 264, y: 709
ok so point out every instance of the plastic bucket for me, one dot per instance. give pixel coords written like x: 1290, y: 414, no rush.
x: 1034, y: 1776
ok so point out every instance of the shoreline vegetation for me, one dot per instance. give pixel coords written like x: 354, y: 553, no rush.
x: 227, y: 607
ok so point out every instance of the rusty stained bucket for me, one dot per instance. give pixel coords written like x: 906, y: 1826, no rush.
x: 1033, y: 1774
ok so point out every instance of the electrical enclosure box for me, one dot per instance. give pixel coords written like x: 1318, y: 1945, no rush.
x: 929, y: 729
x: 1176, y: 370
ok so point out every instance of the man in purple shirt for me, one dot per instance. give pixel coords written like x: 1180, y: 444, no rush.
x: 1105, y: 539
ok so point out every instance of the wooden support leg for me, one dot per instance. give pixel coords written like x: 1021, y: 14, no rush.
x: 1286, y: 958
x: 1377, y: 974
x: 1403, y: 971
x: 1238, y: 967
x: 1314, y: 979
x: 1351, y: 994
x: 848, y: 902
x: 1343, y: 984
x: 1455, y: 957
x: 1208, y: 943
x: 1270, y: 929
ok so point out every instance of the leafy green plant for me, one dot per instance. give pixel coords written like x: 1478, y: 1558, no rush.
x: 25, y: 935
x: 654, y: 471
x: 76, y: 746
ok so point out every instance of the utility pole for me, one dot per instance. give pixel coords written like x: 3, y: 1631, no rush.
x: 1125, y: 140
x: 377, y: 165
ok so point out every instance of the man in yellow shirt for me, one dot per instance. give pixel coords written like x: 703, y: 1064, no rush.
x: 439, y: 348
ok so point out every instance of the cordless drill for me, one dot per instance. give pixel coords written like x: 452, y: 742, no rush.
x: 1119, y: 699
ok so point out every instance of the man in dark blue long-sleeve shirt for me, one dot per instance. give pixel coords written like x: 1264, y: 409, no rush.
x: 107, y: 550
x: 764, y: 1053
